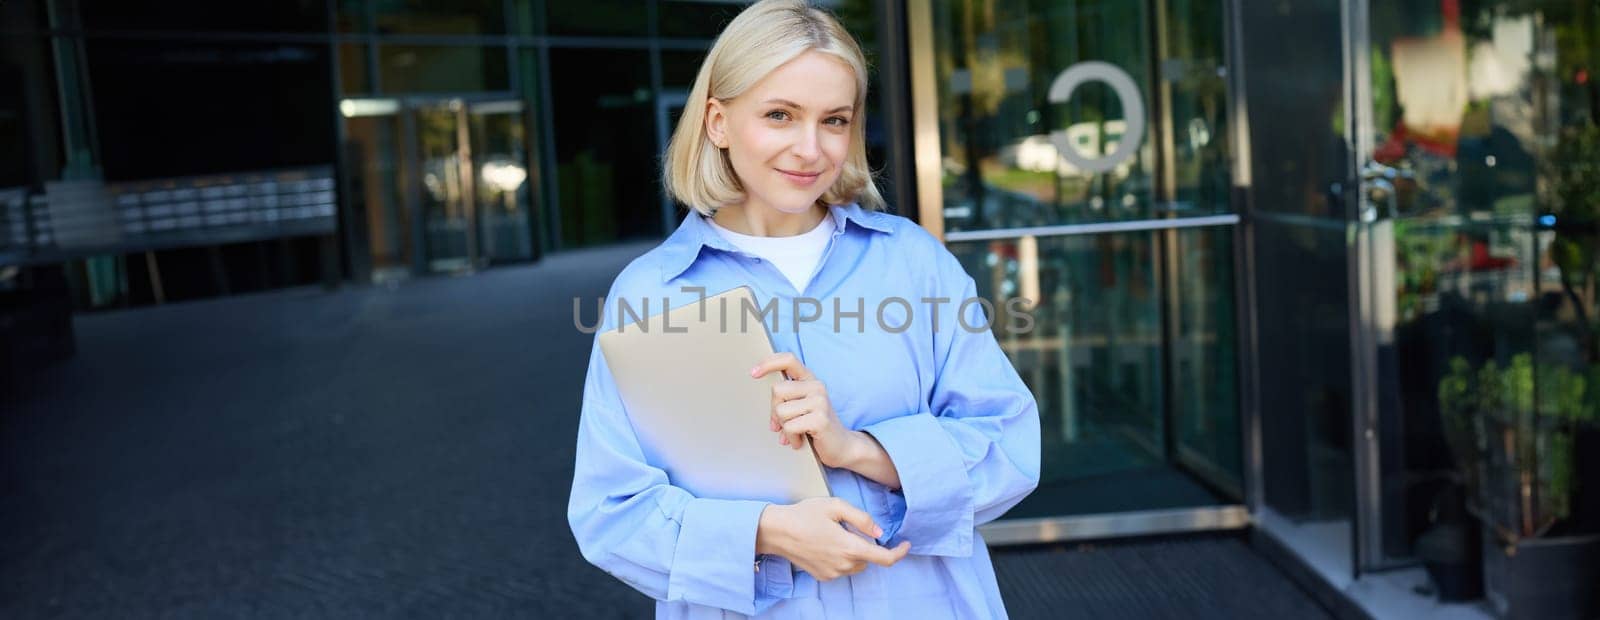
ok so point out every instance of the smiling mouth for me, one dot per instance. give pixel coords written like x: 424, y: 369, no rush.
x: 805, y: 175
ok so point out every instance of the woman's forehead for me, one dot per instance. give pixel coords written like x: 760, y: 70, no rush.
x: 814, y: 80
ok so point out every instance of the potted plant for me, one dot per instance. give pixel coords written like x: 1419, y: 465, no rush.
x: 1514, y: 432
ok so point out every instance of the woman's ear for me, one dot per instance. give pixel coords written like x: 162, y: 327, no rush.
x: 716, y: 122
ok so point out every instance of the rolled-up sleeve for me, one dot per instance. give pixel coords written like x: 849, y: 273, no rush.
x: 974, y: 452
x: 631, y: 522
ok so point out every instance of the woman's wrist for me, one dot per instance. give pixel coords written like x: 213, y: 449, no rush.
x: 769, y: 530
x: 866, y: 456
x: 858, y: 449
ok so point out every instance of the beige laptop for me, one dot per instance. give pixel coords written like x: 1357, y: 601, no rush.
x: 684, y: 378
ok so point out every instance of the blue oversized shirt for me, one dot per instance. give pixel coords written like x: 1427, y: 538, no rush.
x: 925, y: 378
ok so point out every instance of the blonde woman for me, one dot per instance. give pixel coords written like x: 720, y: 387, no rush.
x: 924, y: 427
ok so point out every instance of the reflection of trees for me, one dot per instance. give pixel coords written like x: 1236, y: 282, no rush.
x: 974, y: 47
x: 996, y: 61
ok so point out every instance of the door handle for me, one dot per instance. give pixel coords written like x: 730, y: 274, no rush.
x: 1378, y: 180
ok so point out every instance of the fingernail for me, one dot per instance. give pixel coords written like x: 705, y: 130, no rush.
x: 877, y: 532
x: 754, y: 370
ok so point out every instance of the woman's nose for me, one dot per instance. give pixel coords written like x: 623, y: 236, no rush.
x: 805, y: 145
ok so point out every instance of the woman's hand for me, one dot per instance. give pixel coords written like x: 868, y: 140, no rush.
x: 809, y: 534
x: 801, y: 409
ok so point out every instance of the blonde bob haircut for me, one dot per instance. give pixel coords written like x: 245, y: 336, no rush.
x: 762, y: 38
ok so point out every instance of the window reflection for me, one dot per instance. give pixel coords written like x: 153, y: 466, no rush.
x: 998, y: 63
x: 1473, y: 104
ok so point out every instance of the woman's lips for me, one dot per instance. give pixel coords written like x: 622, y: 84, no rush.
x: 802, y: 179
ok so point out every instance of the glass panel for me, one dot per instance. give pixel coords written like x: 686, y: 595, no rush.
x: 679, y: 68
x: 696, y: 19
x: 1303, y: 363
x: 616, y: 18
x: 382, y: 227
x: 1297, y: 121
x: 527, y: 17
x: 1205, y: 381
x: 241, y: 93
x: 205, y: 15
x: 606, y: 146
x: 1093, y: 361
x: 354, y: 78
x: 30, y: 149
x: 351, y: 16
x: 1193, y: 72
x: 444, y: 189
x: 1019, y: 83
x: 539, y: 164
x: 441, y: 16
x: 859, y: 18
x: 1476, y: 107
x: 501, y: 167
x: 441, y: 69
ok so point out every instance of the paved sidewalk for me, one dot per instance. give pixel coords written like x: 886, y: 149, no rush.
x: 392, y: 452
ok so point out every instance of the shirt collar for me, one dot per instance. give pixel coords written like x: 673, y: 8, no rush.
x: 682, y: 248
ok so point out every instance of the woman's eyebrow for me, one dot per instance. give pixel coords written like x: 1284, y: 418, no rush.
x: 843, y: 108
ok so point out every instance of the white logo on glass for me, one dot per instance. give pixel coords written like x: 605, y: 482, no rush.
x: 1131, y: 127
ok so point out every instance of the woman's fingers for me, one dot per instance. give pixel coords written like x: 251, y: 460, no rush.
x: 791, y: 409
x: 886, y: 557
x: 857, y: 518
x: 793, y: 390
x: 786, y: 362
x: 797, y: 428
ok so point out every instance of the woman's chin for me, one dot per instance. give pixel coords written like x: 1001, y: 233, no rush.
x: 795, y: 206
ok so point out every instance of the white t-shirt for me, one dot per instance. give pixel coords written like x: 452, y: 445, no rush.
x: 795, y: 256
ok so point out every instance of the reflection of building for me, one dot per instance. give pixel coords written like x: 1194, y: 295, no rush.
x: 1245, y: 323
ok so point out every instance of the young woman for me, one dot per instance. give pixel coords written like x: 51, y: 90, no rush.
x: 924, y: 427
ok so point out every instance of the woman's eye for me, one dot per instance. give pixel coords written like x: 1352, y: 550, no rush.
x: 778, y: 115
x: 838, y: 121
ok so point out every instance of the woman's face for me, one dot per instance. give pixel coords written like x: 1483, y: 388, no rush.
x: 788, y: 136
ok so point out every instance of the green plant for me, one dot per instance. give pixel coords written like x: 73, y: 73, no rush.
x: 1573, y: 174
x: 1511, y: 430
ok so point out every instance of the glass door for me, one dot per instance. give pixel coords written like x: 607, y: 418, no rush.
x: 378, y: 226
x: 1084, y: 167
x: 499, y: 165
x: 445, y: 198
x: 435, y: 186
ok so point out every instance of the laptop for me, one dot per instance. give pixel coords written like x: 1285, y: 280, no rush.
x: 684, y: 378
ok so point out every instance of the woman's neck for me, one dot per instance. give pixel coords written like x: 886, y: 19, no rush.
x: 768, y: 222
